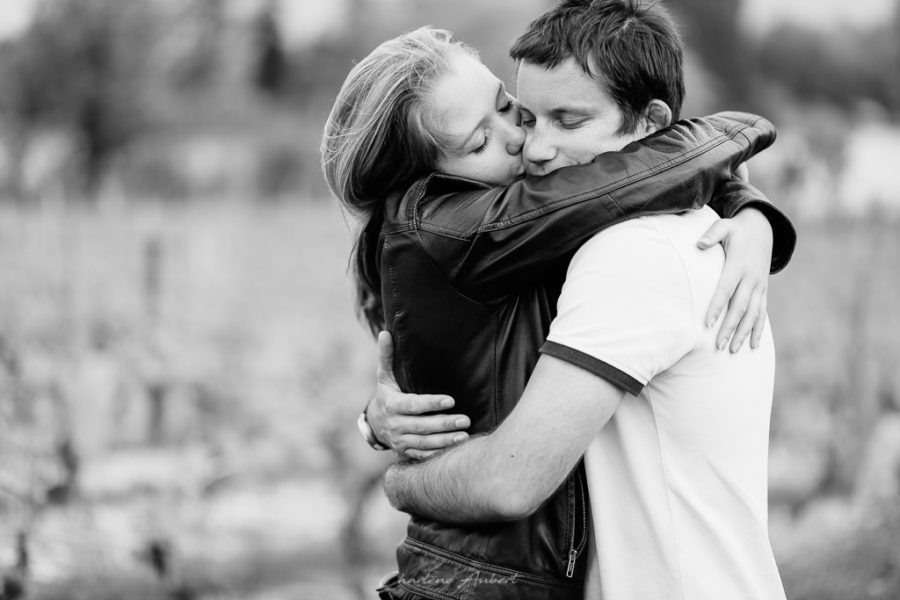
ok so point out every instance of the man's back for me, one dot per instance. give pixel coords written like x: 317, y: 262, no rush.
x: 678, y: 476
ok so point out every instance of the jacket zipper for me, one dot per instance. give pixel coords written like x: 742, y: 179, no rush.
x: 574, y: 550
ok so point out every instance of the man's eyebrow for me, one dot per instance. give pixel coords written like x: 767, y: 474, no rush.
x: 571, y: 110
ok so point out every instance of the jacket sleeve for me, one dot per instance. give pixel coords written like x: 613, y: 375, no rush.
x: 489, y: 242
x: 734, y: 195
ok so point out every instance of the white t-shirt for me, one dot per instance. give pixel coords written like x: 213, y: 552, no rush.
x: 677, y: 478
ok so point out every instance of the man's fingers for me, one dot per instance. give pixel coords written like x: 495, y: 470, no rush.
x: 417, y: 404
x: 431, y: 424
x: 717, y: 233
x: 736, y: 310
x: 747, y: 321
x: 385, y: 357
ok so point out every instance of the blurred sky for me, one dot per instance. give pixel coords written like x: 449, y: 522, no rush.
x: 303, y: 19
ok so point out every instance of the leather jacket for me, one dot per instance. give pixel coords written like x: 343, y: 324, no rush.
x: 470, y: 275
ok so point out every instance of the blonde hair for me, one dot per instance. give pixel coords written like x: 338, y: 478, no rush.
x: 380, y: 137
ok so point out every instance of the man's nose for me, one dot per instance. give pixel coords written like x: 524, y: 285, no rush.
x: 538, y: 147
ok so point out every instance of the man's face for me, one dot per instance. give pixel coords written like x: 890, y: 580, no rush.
x: 568, y: 116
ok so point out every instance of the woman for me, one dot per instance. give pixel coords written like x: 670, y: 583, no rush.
x: 463, y: 262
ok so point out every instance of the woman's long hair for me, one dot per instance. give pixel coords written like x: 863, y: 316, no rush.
x: 380, y: 137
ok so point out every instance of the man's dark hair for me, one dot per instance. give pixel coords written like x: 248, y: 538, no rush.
x: 631, y: 46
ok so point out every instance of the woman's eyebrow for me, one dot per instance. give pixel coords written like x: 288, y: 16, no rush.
x: 500, y: 94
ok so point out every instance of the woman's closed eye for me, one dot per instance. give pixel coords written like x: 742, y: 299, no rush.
x: 505, y: 109
x: 481, y: 148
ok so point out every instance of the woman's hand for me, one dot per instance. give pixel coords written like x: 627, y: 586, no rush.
x: 400, y: 421
x: 744, y: 283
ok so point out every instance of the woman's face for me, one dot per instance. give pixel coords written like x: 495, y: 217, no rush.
x: 481, y: 121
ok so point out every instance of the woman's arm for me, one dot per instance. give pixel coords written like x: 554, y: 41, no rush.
x: 488, y: 242
x: 736, y: 195
x: 758, y: 240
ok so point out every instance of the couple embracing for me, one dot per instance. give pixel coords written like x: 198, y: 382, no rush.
x: 550, y: 267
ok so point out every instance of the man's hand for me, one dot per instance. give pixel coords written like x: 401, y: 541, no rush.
x: 744, y: 283
x: 400, y: 421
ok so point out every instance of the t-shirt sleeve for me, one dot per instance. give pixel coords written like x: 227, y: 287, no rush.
x: 625, y: 313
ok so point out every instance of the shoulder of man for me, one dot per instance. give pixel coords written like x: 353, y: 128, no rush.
x: 626, y: 312
x: 645, y: 239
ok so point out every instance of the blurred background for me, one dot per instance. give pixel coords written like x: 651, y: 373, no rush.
x: 180, y: 366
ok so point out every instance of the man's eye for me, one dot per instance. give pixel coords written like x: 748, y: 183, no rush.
x: 571, y: 124
x: 527, y: 121
x: 506, y: 108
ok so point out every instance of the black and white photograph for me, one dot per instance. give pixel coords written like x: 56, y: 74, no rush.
x: 430, y: 300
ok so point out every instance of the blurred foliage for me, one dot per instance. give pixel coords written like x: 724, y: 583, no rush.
x: 270, y: 70
x: 711, y: 28
x: 103, y: 95
x: 178, y: 389
x: 81, y: 66
x: 838, y: 67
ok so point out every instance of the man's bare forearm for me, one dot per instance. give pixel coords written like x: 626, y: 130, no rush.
x: 509, y: 473
x: 453, y: 487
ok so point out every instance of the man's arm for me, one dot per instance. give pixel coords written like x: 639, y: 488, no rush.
x: 625, y: 314
x: 508, y: 474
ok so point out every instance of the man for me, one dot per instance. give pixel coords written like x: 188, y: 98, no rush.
x: 479, y: 343
x: 677, y: 467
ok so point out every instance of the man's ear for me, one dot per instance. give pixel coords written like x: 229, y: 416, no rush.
x: 657, y: 116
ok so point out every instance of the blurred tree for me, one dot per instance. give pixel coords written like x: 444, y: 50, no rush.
x: 80, y: 67
x: 20, y: 107
x: 270, y: 66
x: 841, y: 68
x: 895, y: 35
x: 201, y: 24
x: 712, y: 29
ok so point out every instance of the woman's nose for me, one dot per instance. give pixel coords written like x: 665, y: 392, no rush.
x: 516, y: 138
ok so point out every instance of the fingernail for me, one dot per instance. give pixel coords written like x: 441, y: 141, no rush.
x: 446, y: 403
x: 720, y: 344
x: 710, y: 322
x: 703, y: 242
x: 735, y: 349
x: 458, y: 438
x: 460, y: 423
